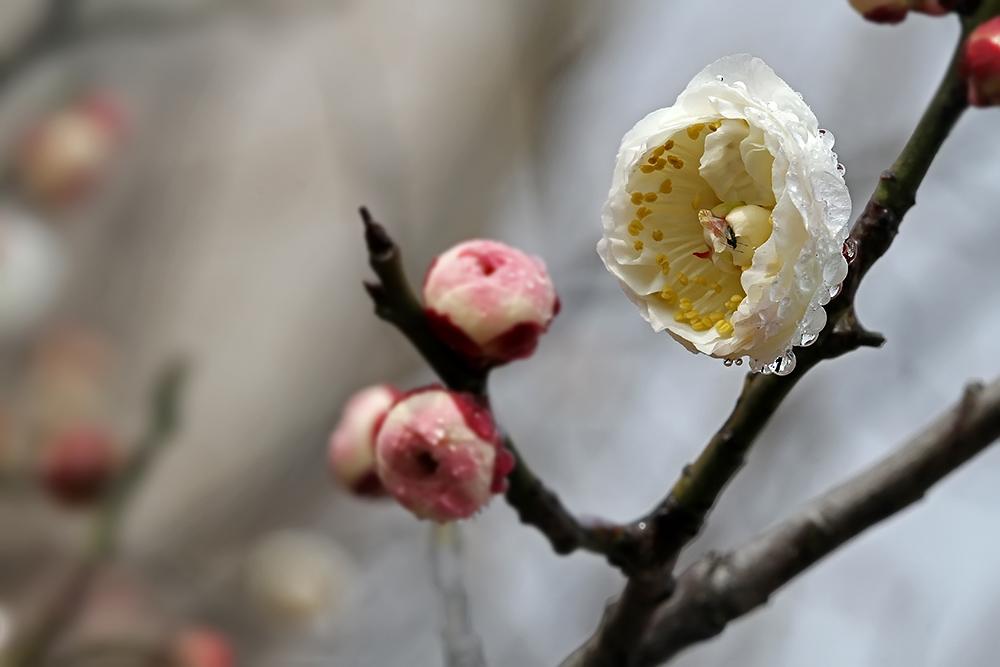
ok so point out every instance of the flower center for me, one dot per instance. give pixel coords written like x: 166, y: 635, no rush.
x: 702, y: 206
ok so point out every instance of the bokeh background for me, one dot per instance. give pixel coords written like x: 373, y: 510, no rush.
x: 226, y: 231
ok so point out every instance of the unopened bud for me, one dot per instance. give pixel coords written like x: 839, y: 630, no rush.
x: 489, y: 301
x: 882, y: 11
x: 981, y: 64
x: 78, y: 464
x: 351, y: 451
x: 203, y: 647
x: 439, y: 454
x: 61, y: 158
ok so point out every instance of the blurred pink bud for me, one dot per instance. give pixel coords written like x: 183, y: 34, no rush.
x: 61, y: 158
x: 489, y: 301
x: 882, y: 11
x: 981, y: 64
x: 439, y: 454
x: 932, y: 7
x: 78, y: 464
x: 351, y: 453
x: 203, y: 647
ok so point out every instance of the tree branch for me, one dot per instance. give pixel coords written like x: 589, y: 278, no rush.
x: 722, y: 587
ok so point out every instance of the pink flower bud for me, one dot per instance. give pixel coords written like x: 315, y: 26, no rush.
x: 351, y: 453
x: 489, y: 301
x: 78, y: 464
x: 882, y: 11
x: 62, y: 157
x: 981, y: 64
x: 439, y: 454
x: 203, y: 647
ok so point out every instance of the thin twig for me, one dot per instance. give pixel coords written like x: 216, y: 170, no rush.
x: 396, y: 303
x: 721, y: 587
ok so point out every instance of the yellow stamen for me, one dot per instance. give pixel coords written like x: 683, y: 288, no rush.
x: 666, y: 187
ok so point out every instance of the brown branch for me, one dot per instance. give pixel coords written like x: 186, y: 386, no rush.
x: 721, y: 587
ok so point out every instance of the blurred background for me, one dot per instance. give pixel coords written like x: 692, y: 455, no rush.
x: 217, y: 153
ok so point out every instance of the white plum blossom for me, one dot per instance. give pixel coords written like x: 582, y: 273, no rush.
x: 727, y: 217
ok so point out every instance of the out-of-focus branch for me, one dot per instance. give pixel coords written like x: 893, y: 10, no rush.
x: 462, y: 646
x: 32, y: 644
x: 721, y: 587
x: 52, y: 30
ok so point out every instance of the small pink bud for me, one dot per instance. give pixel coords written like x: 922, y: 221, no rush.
x: 351, y: 453
x: 62, y: 157
x: 78, y: 464
x: 203, y: 647
x: 489, y: 301
x: 439, y: 454
x: 981, y: 64
x: 882, y: 11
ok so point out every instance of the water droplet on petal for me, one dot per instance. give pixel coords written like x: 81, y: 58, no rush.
x: 850, y: 250
x: 739, y: 362
x: 727, y: 362
x: 841, y: 169
x: 808, y: 339
x: 784, y: 365
x: 720, y: 77
x: 835, y: 290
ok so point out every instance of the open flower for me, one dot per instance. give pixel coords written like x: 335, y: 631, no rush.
x: 439, y: 454
x: 727, y: 216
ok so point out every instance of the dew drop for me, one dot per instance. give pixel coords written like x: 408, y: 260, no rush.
x: 808, y: 339
x: 785, y: 364
x: 727, y: 362
x: 835, y: 290
x: 850, y: 249
x: 822, y: 133
x: 841, y: 169
x: 738, y: 362
x: 720, y: 77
